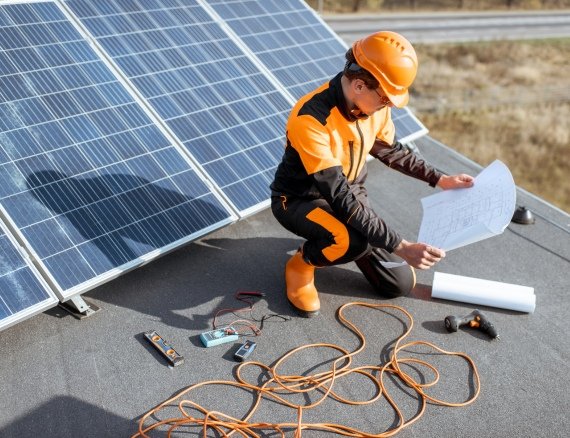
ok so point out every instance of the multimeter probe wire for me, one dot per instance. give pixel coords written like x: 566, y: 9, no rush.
x: 249, y: 298
x: 277, y: 386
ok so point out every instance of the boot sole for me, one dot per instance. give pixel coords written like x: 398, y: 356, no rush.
x: 303, y: 313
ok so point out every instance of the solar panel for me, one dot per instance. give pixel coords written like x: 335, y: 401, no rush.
x: 210, y: 94
x: 408, y: 127
x: 92, y: 184
x: 22, y: 292
x: 170, y: 126
x: 301, y: 51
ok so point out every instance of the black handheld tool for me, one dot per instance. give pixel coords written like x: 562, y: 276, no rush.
x: 475, y: 319
x: 244, y: 351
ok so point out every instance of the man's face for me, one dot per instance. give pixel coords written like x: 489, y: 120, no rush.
x: 369, y: 100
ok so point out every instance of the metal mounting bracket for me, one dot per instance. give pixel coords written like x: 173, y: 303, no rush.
x: 79, y: 308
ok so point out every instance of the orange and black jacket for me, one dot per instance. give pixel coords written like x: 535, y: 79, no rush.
x: 325, y: 157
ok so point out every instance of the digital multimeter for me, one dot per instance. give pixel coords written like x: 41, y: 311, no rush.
x: 219, y: 336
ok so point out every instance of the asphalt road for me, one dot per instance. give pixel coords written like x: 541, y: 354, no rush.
x: 456, y: 27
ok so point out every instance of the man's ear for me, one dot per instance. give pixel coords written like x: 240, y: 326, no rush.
x: 358, y: 86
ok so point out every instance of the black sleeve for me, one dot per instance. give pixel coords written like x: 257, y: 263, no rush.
x: 402, y: 159
x: 334, y: 187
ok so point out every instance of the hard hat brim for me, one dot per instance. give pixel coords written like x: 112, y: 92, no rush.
x: 398, y: 100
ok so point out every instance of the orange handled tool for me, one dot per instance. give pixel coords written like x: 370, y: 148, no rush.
x: 475, y: 319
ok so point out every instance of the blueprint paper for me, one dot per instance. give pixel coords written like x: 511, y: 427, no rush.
x: 455, y: 218
x: 483, y: 292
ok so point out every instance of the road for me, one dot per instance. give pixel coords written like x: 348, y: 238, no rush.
x: 441, y: 27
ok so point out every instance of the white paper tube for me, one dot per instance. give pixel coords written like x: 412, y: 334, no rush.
x: 483, y: 292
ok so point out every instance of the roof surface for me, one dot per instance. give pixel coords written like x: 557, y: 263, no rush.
x: 96, y: 377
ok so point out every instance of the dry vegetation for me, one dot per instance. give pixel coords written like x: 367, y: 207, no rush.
x: 505, y: 100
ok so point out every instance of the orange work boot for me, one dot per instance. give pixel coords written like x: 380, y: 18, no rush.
x: 301, y: 292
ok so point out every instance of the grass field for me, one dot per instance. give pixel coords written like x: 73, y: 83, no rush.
x: 502, y: 100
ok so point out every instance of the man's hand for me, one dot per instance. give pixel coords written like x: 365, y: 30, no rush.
x: 461, y: 181
x: 419, y: 255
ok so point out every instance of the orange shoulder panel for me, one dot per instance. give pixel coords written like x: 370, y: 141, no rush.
x: 312, y: 141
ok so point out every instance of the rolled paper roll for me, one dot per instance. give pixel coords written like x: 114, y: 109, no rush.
x: 483, y: 292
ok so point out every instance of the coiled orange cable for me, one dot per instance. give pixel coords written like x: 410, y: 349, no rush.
x: 279, y: 385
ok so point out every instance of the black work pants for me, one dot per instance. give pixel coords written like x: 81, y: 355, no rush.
x: 331, y: 242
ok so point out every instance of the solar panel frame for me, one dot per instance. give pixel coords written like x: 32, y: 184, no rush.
x: 316, y: 54
x: 408, y: 126
x: 151, y: 231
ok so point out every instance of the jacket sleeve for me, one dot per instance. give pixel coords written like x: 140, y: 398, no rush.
x: 333, y: 186
x: 402, y: 159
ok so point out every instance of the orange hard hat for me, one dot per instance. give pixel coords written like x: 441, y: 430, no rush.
x: 392, y: 60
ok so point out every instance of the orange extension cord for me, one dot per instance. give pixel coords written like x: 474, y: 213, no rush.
x: 277, y: 384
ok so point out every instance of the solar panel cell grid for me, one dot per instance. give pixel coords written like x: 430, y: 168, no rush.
x: 206, y: 89
x: 87, y: 177
x: 288, y: 38
x: 297, y: 48
x: 21, y: 292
